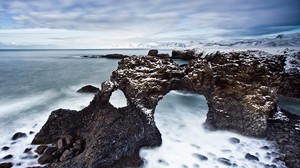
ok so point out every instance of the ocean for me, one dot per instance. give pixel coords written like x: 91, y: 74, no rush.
x: 35, y: 82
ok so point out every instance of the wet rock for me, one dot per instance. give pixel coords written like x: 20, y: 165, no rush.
x: 40, y: 149
x: 31, y: 132
x: 270, y: 166
x: 234, y: 140
x: 153, y: 52
x: 163, y: 55
x: 18, y: 135
x: 200, y: 157
x: 186, y: 54
x: 27, y: 150
x: 5, y: 148
x: 47, y: 156
x: 265, y: 148
x: 7, y: 157
x: 88, y: 89
x: 115, y: 56
x: 225, y: 161
x: 68, y: 154
x: 251, y: 157
x: 6, y: 165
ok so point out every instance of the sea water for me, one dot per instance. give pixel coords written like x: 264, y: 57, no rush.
x: 35, y: 82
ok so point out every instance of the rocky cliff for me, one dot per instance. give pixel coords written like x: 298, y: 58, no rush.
x: 240, y: 87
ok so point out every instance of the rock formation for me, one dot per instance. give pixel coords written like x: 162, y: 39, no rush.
x: 291, y: 84
x: 88, y: 89
x: 240, y: 87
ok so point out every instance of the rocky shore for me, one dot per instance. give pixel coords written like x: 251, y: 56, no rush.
x: 241, y: 89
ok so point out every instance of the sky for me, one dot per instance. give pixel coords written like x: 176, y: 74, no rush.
x: 117, y: 23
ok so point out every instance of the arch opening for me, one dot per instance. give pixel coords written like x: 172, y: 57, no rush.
x: 186, y: 143
x: 118, y: 99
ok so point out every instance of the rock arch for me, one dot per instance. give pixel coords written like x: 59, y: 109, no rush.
x: 240, y: 87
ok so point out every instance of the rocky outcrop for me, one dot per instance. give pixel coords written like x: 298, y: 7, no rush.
x: 240, y: 87
x: 290, y: 87
x: 115, y: 56
x: 88, y: 89
x: 284, y: 129
x: 185, y: 54
x: 153, y: 52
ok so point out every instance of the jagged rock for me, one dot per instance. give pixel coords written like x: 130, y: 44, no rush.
x: 18, y: 135
x: 284, y: 129
x: 186, y: 54
x: 88, y: 89
x: 6, y: 165
x: 40, y: 149
x: 153, y: 52
x: 27, y: 150
x: 68, y: 154
x: 240, y: 88
x: 290, y: 87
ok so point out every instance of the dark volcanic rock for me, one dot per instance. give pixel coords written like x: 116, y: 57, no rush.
x: 153, y: 52
x: 200, y: 157
x: 6, y: 165
x: 284, y: 129
x: 5, y: 148
x: 186, y: 54
x: 251, y: 157
x: 40, y: 149
x: 27, y: 150
x: 115, y: 56
x: 225, y: 161
x: 163, y: 55
x: 19, y: 135
x: 234, y: 140
x: 7, y: 157
x: 240, y: 88
x: 290, y: 87
x: 88, y: 89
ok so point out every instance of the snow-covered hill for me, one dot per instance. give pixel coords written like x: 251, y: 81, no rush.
x: 290, y: 40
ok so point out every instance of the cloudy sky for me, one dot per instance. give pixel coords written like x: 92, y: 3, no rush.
x: 107, y: 23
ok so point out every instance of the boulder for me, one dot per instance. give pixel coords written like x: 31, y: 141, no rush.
x: 88, y: 89
x: 18, y: 135
x: 6, y: 165
x: 248, y: 156
x: 186, y: 54
x: 152, y: 52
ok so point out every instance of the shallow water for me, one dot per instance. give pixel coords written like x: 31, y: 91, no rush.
x: 34, y: 83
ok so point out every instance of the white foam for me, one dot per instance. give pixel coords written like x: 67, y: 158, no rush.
x: 30, y: 114
x: 118, y: 99
x: 184, y: 136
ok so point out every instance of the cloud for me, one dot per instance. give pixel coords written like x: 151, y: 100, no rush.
x: 133, y: 19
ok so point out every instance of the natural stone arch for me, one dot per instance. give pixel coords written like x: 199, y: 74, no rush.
x: 240, y: 89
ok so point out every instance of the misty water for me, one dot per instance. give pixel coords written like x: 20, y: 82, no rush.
x: 35, y: 82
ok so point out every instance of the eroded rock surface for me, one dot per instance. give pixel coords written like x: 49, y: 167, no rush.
x: 240, y: 87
